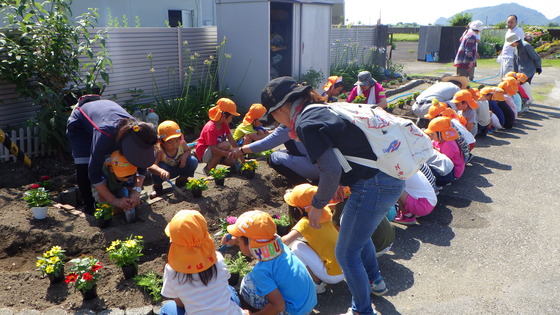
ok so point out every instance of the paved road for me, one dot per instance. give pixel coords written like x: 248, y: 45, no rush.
x: 491, y: 246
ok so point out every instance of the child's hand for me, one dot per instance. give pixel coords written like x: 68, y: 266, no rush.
x: 229, y: 239
x: 124, y: 203
x: 164, y: 174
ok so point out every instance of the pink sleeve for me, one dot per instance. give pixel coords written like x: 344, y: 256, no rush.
x: 379, y: 92
x: 352, y: 95
x: 451, y: 149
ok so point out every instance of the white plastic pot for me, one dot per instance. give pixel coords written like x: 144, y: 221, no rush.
x: 39, y: 213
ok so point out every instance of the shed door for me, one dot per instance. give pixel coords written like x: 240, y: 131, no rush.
x: 315, y: 34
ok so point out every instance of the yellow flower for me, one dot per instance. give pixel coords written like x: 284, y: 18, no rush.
x: 130, y: 243
x: 56, y: 250
x: 40, y: 263
x: 49, y: 269
x: 54, y: 260
x: 139, y: 237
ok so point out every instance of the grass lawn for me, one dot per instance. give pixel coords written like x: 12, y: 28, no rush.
x: 406, y: 37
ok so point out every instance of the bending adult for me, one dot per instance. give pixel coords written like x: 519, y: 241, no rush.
x: 507, y: 56
x: 527, y: 58
x: 372, y: 191
x: 95, y: 129
x: 443, y: 91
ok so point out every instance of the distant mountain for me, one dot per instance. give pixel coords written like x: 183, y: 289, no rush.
x: 499, y: 13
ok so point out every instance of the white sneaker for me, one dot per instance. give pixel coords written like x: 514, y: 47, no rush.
x: 320, y: 288
x: 379, y: 287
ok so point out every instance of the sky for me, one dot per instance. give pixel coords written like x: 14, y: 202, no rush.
x: 428, y: 11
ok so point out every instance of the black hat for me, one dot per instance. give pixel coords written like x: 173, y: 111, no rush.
x: 279, y: 91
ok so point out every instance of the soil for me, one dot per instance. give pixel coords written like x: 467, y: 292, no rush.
x: 22, y: 238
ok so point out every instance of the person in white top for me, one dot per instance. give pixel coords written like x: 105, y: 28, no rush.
x: 507, y: 57
x: 196, y: 277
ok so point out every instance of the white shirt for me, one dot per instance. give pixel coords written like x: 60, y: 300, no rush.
x: 508, y: 51
x: 418, y: 187
x: 198, y: 298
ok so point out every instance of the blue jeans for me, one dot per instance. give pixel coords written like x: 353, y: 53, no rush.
x: 171, y: 308
x: 174, y: 171
x: 368, y: 204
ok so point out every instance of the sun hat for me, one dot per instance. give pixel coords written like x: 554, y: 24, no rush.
x: 510, y: 74
x: 435, y: 110
x: 364, y: 78
x: 257, y: 226
x: 444, y: 126
x: 462, y: 80
x: 256, y: 111
x: 301, y: 197
x: 169, y: 130
x: 449, y: 112
x: 496, y: 93
x: 465, y: 96
x: 521, y: 77
x: 513, y: 82
x: 222, y: 105
x: 279, y: 91
x: 475, y: 93
x: 120, y: 165
x: 332, y: 81
x: 136, y: 151
x: 512, y: 39
x: 507, y: 87
x: 476, y: 25
x: 192, y: 249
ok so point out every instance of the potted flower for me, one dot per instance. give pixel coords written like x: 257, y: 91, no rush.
x: 415, y: 95
x: 248, y: 168
x: 84, y: 274
x: 103, y: 213
x: 343, y: 96
x: 126, y: 254
x: 229, y: 220
x: 39, y: 199
x: 360, y: 99
x: 51, y: 264
x: 238, y: 267
x: 197, y: 186
x: 45, y: 181
x: 219, y: 175
x: 283, y: 224
x: 400, y: 103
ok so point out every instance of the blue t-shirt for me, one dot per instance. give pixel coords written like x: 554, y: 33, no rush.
x: 287, y: 274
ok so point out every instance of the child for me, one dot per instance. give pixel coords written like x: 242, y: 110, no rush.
x: 514, y: 85
x: 482, y: 112
x: 118, y: 175
x: 466, y: 106
x: 442, y: 133
x: 373, y: 92
x: 173, y: 158
x: 526, y: 87
x: 215, y: 142
x: 332, y: 88
x: 317, y: 253
x: 195, y: 276
x: 492, y: 95
x: 510, y: 90
x: 279, y: 282
x: 250, y: 129
x: 418, y: 199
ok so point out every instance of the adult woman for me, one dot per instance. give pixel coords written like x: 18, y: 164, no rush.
x: 373, y: 192
x: 95, y: 129
x: 373, y: 92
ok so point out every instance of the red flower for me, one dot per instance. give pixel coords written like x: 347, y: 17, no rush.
x: 34, y: 186
x: 71, y: 278
x: 45, y: 177
x: 87, y: 276
x: 96, y: 267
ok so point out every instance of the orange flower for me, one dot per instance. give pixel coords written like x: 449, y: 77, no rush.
x: 71, y: 278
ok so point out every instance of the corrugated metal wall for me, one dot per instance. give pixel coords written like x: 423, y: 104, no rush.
x: 348, y: 44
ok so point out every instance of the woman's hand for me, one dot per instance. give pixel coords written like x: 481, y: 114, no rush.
x: 314, y: 216
x: 338, y: 195
x: 235, y: 153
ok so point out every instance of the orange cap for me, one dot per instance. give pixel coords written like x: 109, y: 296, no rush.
x: 507, y: 87
x: 257, y: 226
x: 465, y: 96
x: 256, y: 111
x: 332, y: 80
x: 511, y: 74
x: 444, y: 126
x: 521, y: 77
x: 495, y: 93
x: 120, y: 165
x: 192, y: 249
x: 435, y: 110
x: 512, y: 82
x: 475, y: 93
x: 168, y: 130
x: 301, y: 197
x: 222, y: 105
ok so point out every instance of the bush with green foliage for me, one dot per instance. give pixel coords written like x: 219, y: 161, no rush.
x: 152, y: 283
x: 313, y: 77
x: 354, y: 58
x: 461, y: 19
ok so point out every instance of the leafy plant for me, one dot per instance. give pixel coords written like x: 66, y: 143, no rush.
x: 46, y: 56
x: 151, y: 282
x: 461, y: 19
x: 229, y: 220
x: 84, y: 273
x: 200, y: 184
x: 238, y: 264
x: 360, y: 99
x: 268, y: 153
x: 415, y: 95
x: 353, y: 58
x: 283, y: 220
x: 52, y: 261
x: 104, y: 211
x: 45, y: 181
x: 38, y: 197
x: 127, y: 252
x: 219, y: 172
x: 313, y: 77
x: 250, y: 165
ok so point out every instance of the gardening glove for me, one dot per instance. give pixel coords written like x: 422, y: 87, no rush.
x: 539, y: 70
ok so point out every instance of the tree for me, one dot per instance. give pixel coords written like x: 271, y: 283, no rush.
x: 461, y: 19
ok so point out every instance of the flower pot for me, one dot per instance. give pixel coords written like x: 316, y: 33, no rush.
x: 130, y: 271
x: 103, y: 223
x: 89, y: 294
x: 39, y: 213
x: 219, y: 181
x: 130, y: 215
x: 233, y: 279
x: 58, y: 278
x: 196, y: 193
x: 248, y: 174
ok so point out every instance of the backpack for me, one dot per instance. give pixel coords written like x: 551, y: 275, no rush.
x: 400, y: 146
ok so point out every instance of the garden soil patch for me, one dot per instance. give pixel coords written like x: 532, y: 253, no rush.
x: 23, y: 238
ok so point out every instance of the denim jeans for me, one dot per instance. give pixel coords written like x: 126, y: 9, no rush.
x: 171, y: 308
x: 368, y: 204
x: 175, y: 171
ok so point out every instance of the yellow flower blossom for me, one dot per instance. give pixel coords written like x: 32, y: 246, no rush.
x: 49, y: 269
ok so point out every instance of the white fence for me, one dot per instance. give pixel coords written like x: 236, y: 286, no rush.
x: 27, y: 141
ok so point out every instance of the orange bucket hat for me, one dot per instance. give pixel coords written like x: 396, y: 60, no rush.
x: 192, y: 249
x: 512, y: 82
x: 169, y: 130
x: 257, y: 226
x: 475, y: 93
x: 301, y: 197
x: 256, y: 111
x: 120, y: 165
x: 435, y: 110
x: 507, y: 87
x: 521, y: 77
x: 449, y: 112
x: 444, y: 126
x: 511, y: 74
x: 331, y: 81
x: 496, y: 94
x: 465, y: 96
x: 222, y: 105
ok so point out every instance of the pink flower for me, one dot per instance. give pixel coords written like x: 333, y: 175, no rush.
x: 275, y: 216
x: 231, y: 220
x: 45, y: 177
x: 34, y: 186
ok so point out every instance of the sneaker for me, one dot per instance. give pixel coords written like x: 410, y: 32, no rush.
x: 471, y: 156
x: 378, y: 287
x: 405, y: 219
x: 320, y: 288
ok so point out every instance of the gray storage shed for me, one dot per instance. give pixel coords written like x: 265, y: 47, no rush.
x: 443, y: 40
